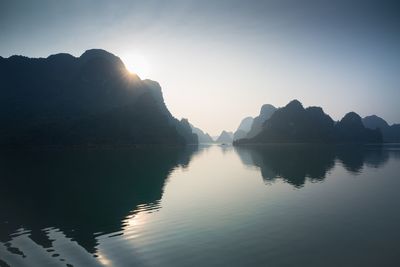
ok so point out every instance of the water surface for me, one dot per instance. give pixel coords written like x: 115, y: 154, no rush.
x: 277, y: 205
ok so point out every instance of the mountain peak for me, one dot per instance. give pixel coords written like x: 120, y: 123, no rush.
x: 266, y: 108
x: 351, y: 120
x: 351, y: 116
x: 225, y: 137
x: 373, y: 122
x: 100, y: 53
x: 96, y: 53
x: 61, y: 56
x: 294, y: 124
x: 294, y: 104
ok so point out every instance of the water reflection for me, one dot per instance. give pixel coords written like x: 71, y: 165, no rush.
x: 295, y: 164
x: 109, y: 208
x: 79, y: 194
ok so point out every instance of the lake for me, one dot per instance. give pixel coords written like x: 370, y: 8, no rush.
x: 275, y: 205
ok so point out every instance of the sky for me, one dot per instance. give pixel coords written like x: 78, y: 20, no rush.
x: 219, y: 61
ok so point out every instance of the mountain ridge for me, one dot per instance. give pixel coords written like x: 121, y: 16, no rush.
x: 296, y: 124
x: 48, y: 101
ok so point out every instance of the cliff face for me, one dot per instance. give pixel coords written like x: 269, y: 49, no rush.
x: 265, y: 113
x: 92, y: 99
x: 295, y: 124
x: 243, y: 129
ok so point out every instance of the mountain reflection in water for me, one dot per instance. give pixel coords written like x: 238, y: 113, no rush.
x: 295, y: 163
x: 82, y: 193
x: 115, y: 207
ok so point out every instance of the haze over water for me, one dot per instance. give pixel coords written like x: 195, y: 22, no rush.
x: 287, y: 205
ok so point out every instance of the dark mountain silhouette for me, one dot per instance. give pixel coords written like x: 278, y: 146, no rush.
x: 93, y: 99
x: 373, y: 122
x: 297, y: 163
x: 204, y: 138
x: 295, y: 124
x: 393, y: 134
x: 243, y: 129
x: 390, y: 133
x: 225, y: 137
x: 82, y: 192
x: 265, y: 113
x: 350, y: 129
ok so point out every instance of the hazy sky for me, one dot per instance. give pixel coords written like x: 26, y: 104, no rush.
x: 219, y: 61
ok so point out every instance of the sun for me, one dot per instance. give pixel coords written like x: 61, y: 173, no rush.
x: 138, y: 64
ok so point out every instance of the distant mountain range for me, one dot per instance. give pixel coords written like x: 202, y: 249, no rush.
x: 296, y: 124
x: 203, y: 137
x: 89, y: 100
x: 225, y: 137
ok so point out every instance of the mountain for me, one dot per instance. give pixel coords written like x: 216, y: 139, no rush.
x: 225, y: 137
x: 246, y: 124
x: 350, y: 129
x: 202, y: 137
x: 89, y: 100
x: 295, y: 124
x: 265, y: 113
x: 243, y: 129
x: 373, y: 122
x: 391, y: 133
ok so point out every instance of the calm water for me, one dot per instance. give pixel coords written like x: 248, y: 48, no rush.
x: 209, y: 206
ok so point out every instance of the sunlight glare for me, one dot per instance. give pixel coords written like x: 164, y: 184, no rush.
x: 138, y: 64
